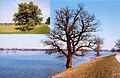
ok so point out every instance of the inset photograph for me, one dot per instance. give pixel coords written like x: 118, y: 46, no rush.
x: 25, y: 16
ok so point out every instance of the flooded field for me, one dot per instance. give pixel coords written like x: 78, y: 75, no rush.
x: 35, y: 64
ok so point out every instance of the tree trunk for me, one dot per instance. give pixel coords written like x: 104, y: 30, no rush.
x: 98, y: 50
x: 69, y: 57
x: 26, y: 28
x: 98, y: 53
x: 69, y: 61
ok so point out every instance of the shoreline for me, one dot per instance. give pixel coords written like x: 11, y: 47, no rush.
x: 24, y: 49
x: 38, y: 49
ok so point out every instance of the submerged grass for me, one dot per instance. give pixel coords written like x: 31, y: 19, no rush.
x: 105, y: 67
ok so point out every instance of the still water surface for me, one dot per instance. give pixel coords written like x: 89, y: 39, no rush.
x: 35, y: 64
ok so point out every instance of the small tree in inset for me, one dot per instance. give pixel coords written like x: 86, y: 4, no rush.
x: 28, y: 15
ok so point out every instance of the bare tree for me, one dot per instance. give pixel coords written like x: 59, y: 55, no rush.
x: 117, y: 45
x: 98, y: 45
x: 113, y: 50
x: 72, y: 31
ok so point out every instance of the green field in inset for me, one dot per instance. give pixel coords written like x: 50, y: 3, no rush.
x: 39, y: 29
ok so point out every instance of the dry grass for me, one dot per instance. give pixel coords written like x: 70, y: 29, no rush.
x: 105, y: 67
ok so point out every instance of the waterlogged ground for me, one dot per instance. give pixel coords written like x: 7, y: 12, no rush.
x: 35, y: 64
x: 28, y: 65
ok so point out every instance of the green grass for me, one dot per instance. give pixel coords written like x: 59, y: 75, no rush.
x: 39, y: 29
x: 105, y: 67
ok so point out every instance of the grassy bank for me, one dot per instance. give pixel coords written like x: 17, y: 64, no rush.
x: 105, y: 67
x: 39, y: 29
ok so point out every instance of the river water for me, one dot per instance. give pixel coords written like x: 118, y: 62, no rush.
x: 36, y: 64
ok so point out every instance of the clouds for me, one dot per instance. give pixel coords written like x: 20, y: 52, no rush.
x: 8, y: 8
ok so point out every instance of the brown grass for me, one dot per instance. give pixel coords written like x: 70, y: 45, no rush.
x: 105, y: 67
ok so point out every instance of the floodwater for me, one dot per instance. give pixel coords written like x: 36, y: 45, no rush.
x: 36, y: 64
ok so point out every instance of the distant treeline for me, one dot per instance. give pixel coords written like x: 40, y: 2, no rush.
x: 4, y: 24
x: 9, y: 24
x: 25, y: 49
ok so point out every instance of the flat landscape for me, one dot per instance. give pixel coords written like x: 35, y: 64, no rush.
x: 39, y: 29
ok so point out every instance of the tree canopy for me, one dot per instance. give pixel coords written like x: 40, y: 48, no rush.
x: 72, y: 32
x: 28, y: 15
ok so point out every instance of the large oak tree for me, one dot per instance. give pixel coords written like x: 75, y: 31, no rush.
x: 72, y: 32
x: 28, y: 15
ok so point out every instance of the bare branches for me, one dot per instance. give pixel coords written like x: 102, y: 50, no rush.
x: 77, y: 24
x: 98, y: 44
x: 117, y: 45
x: 85, y: 44
x: 73, y: 28
x: 86, y: 25
x: 58, y: 35
x: 55, y: 47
